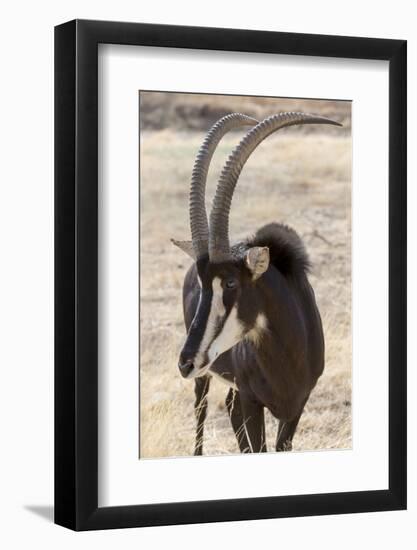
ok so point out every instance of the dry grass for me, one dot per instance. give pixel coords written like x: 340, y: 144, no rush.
x: 302, y: 179
x: 160, y: 110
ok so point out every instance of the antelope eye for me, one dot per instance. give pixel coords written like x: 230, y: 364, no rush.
x: 231, y: 283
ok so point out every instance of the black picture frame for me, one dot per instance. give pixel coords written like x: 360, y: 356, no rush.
x: 76, y: 272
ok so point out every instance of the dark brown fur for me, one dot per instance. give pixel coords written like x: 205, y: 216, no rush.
x: 280, y: 370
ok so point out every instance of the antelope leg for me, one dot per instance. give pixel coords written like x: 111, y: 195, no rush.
x: 201, y: 389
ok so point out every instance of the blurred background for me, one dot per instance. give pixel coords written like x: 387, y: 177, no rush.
x: 300, y: 176
x: 182, y: 112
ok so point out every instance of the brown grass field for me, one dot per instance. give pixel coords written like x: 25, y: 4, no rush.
x: 298, y: 176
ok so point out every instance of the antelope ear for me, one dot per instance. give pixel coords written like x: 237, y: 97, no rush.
x: 186, y: 246
x: 257, y: 260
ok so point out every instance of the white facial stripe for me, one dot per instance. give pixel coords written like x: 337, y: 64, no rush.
x: 217, y: 310
x: 255, y: 334
x: 217, y: 302
x: 230, y: 335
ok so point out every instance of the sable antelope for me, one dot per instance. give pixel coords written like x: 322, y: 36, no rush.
x: 249, y: 309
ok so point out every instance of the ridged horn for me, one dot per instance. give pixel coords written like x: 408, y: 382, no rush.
x: 198, y: 215
x: 219, y: 245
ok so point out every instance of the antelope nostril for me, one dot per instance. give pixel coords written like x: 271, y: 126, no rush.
x: 186, y: 367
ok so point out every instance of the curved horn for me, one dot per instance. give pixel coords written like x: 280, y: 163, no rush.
x: 198, y: 216
x: 219, y: 246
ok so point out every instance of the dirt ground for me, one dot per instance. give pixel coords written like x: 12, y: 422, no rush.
x: 299, y: 176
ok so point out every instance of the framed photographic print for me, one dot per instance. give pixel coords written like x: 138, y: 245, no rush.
x: 230, y: 252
